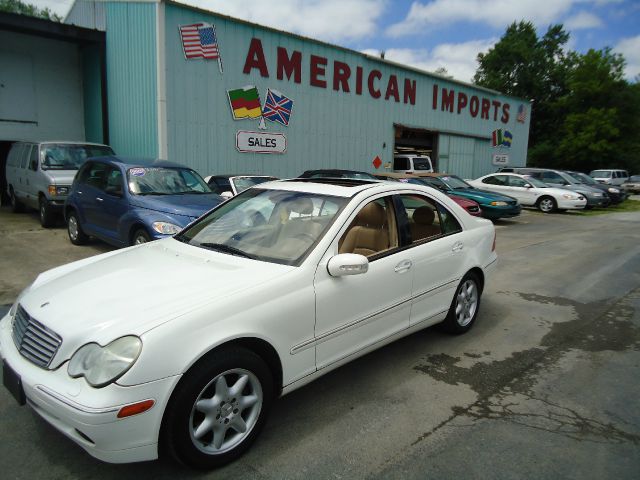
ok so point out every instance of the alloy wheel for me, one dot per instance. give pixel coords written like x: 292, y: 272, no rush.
x: 466, y: 303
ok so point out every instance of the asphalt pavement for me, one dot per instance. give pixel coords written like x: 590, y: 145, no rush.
x: 545, y: 385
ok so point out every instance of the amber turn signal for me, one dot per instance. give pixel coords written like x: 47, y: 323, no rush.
x: 135, y: 408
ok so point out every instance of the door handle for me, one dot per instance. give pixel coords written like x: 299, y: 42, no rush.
x: 99, y: 199
x: 403, y: 266
x: 457, y: 247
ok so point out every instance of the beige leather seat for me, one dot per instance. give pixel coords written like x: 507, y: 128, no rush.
x: 422, y: 226
x: 369, y: 233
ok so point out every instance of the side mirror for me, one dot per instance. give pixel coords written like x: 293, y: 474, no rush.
x: 347, y: 264
x: 226, y: 195
x: 34, y: 165
x: 527, y: 185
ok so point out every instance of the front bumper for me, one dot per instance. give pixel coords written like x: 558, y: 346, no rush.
x: 566, y: 204
x: 493, y: 212
x: 593, y: 201
x: 88, y: 415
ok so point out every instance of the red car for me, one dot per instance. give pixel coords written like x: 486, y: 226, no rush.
x: 470, y: 206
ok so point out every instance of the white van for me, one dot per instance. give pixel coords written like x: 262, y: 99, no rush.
x: 411, y: 163
x: 39, y: 175
x: 610, y: 176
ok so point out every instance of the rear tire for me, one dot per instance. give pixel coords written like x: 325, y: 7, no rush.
x: 47, y: 216
x: 218, y: 409
x: 547, y: 204
x: 76, y: 235
x: 464, y: 306
x: 16, y: 206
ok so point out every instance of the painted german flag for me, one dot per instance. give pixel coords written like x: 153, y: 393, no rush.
x: 245, y: 102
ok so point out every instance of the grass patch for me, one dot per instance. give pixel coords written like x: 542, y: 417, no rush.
x: 627, y: 206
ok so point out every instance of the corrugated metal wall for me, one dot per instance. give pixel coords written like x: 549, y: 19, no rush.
x: 92, y: 93
x: 131, y: 78
x: 328, y: 128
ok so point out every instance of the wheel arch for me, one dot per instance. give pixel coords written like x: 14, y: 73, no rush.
x: 477, y: 271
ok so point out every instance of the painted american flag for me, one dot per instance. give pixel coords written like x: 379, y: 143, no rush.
x: 522, y: 114
x: 277, y: 107
x: 199, y: 41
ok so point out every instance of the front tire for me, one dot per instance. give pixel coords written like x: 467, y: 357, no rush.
x: 547, y: 205
x: 218, y: 409
x: 464, y: 306
x: 47, y: 216
x: 76, y: 235
x: 140, y: 236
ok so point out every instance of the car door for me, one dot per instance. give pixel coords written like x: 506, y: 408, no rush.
x: 92, y: 182
x: 111, y: 206
x: 357, y: 311
x: 522, y: 190
x: 435, y: 246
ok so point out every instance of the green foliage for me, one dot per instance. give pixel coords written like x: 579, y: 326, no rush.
x: 585, y: 115
x: 17, y: 6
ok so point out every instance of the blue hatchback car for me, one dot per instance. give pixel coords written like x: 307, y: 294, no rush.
x: 126, y: 201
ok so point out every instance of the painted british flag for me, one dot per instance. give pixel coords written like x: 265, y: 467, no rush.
x: 277, y: 107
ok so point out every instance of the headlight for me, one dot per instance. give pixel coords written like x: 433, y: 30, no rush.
x: 101, y: 366
x: 568, y: 196
x: 499, y: 204
x: 166, y: 228
x: 613, y: 190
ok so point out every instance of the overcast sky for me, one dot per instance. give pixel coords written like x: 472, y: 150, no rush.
x: 430, y: 34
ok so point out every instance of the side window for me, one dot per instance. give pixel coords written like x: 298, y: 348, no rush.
x: 24, y: 156
x: 400, y: 163
x: 372, y: 231
x: 496, y: 180
x: 552, y: 177
x: 96, y: 176
x: 114, y: 182
x: 518, y: 182
x: 448, y: 221
x: 422, y: 217
x: 12, y: 159
x: 33, y: 158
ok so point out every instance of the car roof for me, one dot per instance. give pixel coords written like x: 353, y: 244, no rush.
x: 338, y: 187
x: 231, y: 175
x: 140, y: 162
x: 336, y: 171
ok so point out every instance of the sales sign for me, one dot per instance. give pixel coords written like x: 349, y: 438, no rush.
x: 260, y: 142
x: 500, y: 159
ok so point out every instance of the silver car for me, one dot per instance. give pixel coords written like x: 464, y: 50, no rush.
x: 39, y: 175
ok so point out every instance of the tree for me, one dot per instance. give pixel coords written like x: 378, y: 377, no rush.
x: 523, y: 65
x: 585, y: 115
x: 17, y: 6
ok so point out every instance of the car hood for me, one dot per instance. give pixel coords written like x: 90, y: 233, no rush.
x: 61, y: 177
x: 580, y: 188
x: 481, y: 196
x: 137, y: 289
x: 190, y: 205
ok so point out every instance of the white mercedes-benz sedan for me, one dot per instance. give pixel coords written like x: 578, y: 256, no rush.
x: 178, y: 347
x: 531, y: 192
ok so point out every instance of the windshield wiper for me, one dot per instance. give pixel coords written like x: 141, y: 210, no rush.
x: 221, y: 247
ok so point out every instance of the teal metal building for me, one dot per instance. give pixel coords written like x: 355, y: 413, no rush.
x: 226, y: 96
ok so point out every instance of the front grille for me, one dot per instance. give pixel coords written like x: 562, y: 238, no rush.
x: 34, y: 341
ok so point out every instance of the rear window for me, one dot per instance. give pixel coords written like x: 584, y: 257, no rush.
x: 601, y: 173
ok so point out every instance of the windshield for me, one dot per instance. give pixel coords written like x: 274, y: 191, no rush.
x: 535, y: 182
x: 242, y: 183
x: 455, y: 182
x: 601, y: 174
x: 421, y: 164
x: 582, y: 178
x: 70, y: 156
x: 165, y: 181
x: 271, y: 225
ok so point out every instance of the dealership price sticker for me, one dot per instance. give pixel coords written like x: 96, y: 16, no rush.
x: 260, y: 142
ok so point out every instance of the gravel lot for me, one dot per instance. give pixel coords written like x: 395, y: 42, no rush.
x: 546, y: 385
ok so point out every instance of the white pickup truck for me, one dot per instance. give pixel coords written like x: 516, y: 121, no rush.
x: 411, y: 163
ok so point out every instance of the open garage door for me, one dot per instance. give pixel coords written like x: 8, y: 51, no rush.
x: 416, y: 141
